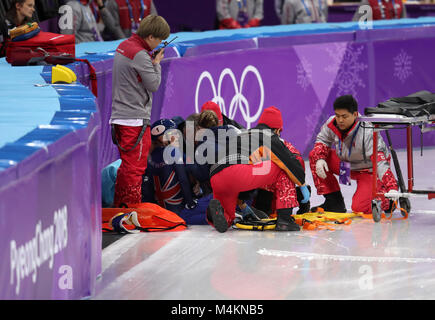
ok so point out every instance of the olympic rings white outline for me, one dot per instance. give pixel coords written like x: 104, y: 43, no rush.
x: 239, y: 101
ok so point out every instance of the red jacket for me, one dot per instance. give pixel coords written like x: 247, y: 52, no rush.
x: 125, y: 17
x: 384, y: 10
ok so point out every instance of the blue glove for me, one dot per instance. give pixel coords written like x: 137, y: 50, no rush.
x: 305, y: 193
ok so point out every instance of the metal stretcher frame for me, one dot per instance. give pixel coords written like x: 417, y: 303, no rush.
x: 389, y: 121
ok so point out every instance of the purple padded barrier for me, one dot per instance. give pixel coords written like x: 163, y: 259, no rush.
x: 302, y: 80
x: 171, y: 52
x: 221, y: 46
x: 274, y: 42
x: 52, y: 234
x: 394, y: 34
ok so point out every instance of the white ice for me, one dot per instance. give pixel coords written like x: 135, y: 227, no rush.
x: 392, y: 259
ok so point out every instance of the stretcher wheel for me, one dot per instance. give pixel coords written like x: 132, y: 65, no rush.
x: 405, y: 204
x: 376, y: 210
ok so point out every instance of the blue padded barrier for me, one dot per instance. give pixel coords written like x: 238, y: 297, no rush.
x: 13, y: 153
x: 44, y: 135
x: 73, y: 90
x: 27, y: 97
x: 77, y: 119
x: 68, y: 102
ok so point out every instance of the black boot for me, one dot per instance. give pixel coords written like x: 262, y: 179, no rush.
x: 215, y: 214
x: 285, y: 221
x: 334, y: 203
x: 303, y: 207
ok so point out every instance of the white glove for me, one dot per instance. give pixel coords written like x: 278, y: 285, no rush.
x: 393, y: 195
x: 321, y: 168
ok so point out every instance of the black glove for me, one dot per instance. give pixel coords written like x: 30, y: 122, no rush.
x: 192, y: 205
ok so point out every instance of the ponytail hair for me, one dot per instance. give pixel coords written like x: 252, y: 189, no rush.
x: 208, y: 119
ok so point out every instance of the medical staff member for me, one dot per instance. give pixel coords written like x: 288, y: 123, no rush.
x: 256, y: 158
x: 344, y: 147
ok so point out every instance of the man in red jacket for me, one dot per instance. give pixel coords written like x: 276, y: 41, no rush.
x: 131, y: 12
x: 136, y: 75
x: 257, y: 158
x: 381, y: 10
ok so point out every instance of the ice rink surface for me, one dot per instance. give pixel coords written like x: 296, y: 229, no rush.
x: 392, y: 259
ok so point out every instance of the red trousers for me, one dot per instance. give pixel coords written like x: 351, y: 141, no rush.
x: 128, y: 185
x: 228, y: 183
x: 362, y: 198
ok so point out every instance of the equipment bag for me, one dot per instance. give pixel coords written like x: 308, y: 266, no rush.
x: 50, y: 47
x: 47, y: 48
x: 141, y: 217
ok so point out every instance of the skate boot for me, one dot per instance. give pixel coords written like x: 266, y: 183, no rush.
x: 215, y: 214
x: 258, y: 214
x: 285, y: 222
x: 303, y: 207
x: 249, y: 213
x: 334, y: 202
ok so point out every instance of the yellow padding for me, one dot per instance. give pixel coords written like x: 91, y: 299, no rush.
x: 265, y: 224
x: 60, y: 73
x: 327, y: 216
x: 308, y: 221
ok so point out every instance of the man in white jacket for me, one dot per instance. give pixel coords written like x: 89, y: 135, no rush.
x: 344, y: 146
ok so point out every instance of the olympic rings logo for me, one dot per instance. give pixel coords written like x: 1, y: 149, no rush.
x: 239, y: 101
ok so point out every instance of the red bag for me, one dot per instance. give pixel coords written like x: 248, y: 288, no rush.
x: 53, y: 48
x: 148, y: 217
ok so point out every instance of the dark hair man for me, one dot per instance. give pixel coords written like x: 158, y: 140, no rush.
x: 344, y: 147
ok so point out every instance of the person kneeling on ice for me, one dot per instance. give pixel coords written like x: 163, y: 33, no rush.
x: 256, y: 159
x: 210, y: 119
x: 166, y: 180
x: 285, y: 193
x: 351, y: 159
